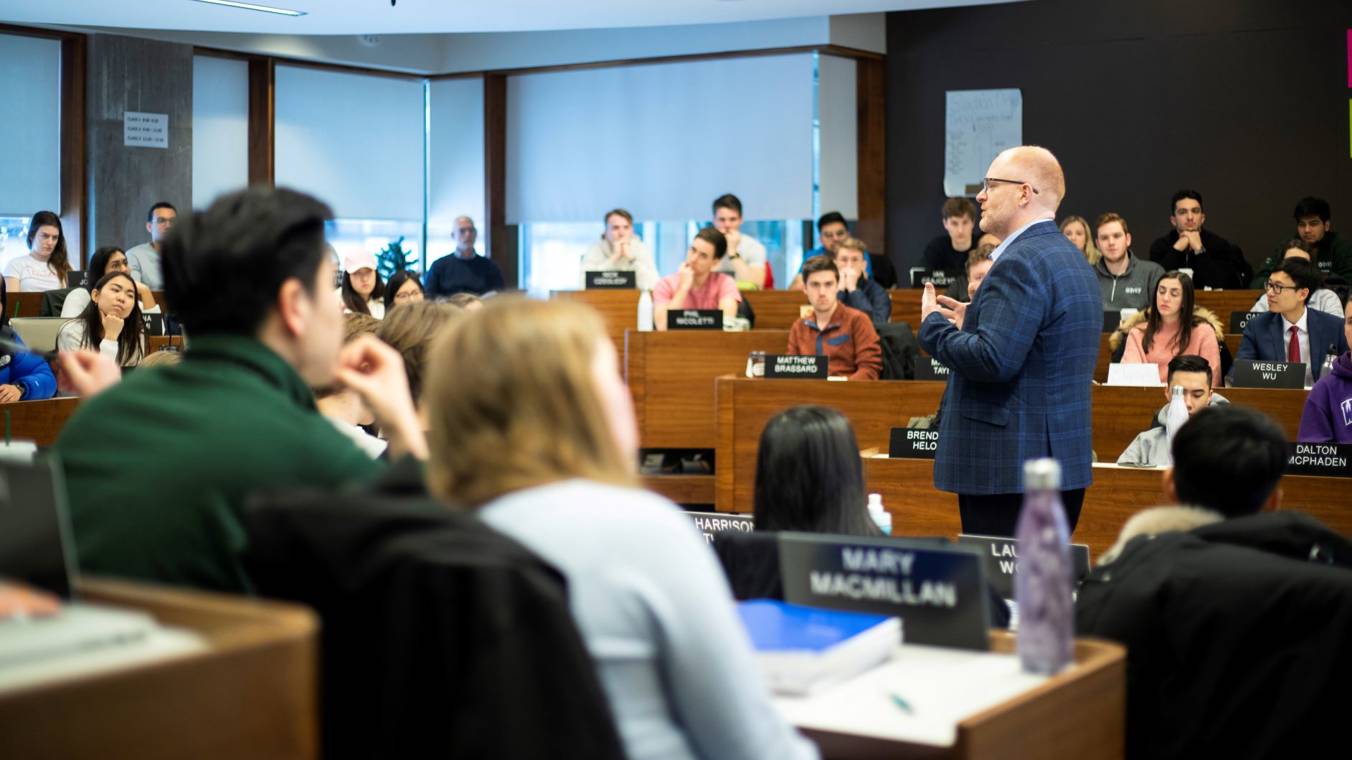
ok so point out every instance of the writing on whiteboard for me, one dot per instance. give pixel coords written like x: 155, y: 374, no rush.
x: 978, y: 124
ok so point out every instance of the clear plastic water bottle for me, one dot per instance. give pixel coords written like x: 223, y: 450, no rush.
x: 1174, y: 418
x: 1043, y: 583
x: 1330, y: 359
x: 645, y: 311
x: 881, y: 517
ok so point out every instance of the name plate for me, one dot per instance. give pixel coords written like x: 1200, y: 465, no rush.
x: 1240, y: 319
x: 913, y: 443
x: 1329, y: 460
x: 154, y: 323
x: 939, y: 593
x: 1001, y: 556
x: 1254, y: 373
x: 929, y: 368
x: 921, y: 277
x: 713, y: 523
x: 611, y: 280
x: 1111, y: 320
x: 798, y: 367
x: 695, y: 319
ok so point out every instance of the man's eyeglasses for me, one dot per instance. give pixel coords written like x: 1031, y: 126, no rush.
x: 986, y: 183
x: 1277, y: 287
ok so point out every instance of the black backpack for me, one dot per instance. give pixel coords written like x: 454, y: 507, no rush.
x: 899, y: 350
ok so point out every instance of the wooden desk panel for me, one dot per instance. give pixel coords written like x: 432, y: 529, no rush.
x: 906, y: 306
x: 775, y: 309
x: 618, y: 309
x: 1223, y: 302
x: 874, y: 408
x: 160, y: 342
x: 39, y: 421
x: 29, y: 304
x: 671, y: 375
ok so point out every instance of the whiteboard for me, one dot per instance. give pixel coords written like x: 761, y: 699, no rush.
x: 978, y: 124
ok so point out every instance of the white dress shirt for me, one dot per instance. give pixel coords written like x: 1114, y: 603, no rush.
x: 1304, y: 333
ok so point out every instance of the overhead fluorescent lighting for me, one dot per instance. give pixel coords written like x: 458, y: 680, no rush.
x: 254, y: 7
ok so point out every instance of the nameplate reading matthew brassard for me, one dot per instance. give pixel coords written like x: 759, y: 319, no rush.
x: 913, y: 443
x: 796, y: 367
x: 695, y: 319
x: 1328, y: 460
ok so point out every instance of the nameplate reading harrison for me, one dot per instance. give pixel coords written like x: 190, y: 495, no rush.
x: 783, y: 366
x: 713, y: 523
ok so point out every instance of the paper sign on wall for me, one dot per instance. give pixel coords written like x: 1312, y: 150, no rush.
x: 145, y: 130
x: 978, y: 124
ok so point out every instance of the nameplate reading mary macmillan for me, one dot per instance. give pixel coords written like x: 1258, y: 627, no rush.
x: 798, y: 367
x: 1329, y: 460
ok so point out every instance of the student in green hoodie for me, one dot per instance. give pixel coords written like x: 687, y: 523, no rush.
x: 159, y: 466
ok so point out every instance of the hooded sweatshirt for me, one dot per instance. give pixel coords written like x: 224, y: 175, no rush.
x: 1151, y: 448
x: 1132, y: 288
x: 1328, y: 410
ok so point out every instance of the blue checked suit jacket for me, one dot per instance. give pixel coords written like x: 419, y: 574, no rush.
x: 1022, y: 367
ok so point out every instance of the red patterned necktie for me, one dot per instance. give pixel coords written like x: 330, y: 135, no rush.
x: 1293, y: 348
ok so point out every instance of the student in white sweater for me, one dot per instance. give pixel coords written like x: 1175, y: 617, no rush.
x: 107, y: 259
x: 111, y: 323
x: 531, y: 425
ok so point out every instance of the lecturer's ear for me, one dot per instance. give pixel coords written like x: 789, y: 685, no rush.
x: 1167, y: 486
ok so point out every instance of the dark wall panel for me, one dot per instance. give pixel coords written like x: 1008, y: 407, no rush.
x: 1243, y: 100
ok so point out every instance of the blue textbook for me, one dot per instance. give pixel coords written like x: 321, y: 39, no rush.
x: 802, y: 649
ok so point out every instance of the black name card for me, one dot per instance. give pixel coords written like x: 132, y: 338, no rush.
x: 1240, y: 319
x: 611, y: 280
x: 939, y: 592
x: 154, y: 323
x: 1255, y: 373
x: 913, y: 443
x: 713, y: 523
x: 783, y: 366
x: 695, y: 319
x: 1329, y: 460
x: 1001, y: 555
x: 929, y: 368
x: 921, y: 277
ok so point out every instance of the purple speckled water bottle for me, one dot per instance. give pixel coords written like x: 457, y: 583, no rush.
x: 1042, y: 586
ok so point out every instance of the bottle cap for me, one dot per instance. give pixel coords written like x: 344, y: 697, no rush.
x: 1041, y: 475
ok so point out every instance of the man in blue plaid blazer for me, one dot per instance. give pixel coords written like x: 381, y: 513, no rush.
x: 1021, y: 355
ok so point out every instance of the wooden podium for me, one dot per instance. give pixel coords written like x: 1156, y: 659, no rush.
x: 251, y: 694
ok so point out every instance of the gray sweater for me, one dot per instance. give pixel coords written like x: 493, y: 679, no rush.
x: 1151, y: 448
x: 1132, y: 288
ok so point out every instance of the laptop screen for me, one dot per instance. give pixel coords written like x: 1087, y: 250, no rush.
x: 34, y: 536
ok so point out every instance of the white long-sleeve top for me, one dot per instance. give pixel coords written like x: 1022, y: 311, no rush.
x: 71, y: 337
x: 655, y: 610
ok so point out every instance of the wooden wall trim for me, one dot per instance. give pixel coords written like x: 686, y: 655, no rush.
x: 871, y: 152
x: 73, y: 178
x: 502, y: 242
x: 262, y: 121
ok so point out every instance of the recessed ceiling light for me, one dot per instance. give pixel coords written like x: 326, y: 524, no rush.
x: 254, y: 7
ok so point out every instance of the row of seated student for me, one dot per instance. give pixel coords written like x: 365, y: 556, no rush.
x: 1215, y: 262
x: 528, y: 426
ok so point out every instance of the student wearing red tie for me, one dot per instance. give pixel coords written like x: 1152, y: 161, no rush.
x: 1290, y: 331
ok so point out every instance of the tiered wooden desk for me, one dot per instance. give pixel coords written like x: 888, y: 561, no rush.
x: 38, y: 421
x: 29, y: 304
x: 252, y: 693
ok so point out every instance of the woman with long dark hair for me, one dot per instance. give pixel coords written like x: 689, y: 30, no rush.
x: 809, y: 476
x: 110, y: 324
x: 109, y: 258
x: 1173, y: 325
x: 362, y: 291
x: 403, y: 287
x: 46, y: 265
x: 24, y: 376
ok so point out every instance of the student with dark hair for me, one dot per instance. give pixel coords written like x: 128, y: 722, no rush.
x: 619, y: 250
x: 1321, y: 299
x: 24, y: 376
x: 697, y: 285
x: 809, y: 476
x: 1192, y: 374
x: 1215, y: 262
x: 948, y: 252
x: 831, y: 229
x: 844, y: 335
x: 1331, y: 252
x: 144, y: 259
x: 158, y: 496
x: 46, y: 265
x: 979, y: 263
x: 107, y: 259
x: 1289, y: 331
x: 110, y: 323
x: 362, y: 290
x: 404, y: 287
x: 746, y: 261
x: 1223, y: 603
x: 1172, y: 326
x: 1327, y: 417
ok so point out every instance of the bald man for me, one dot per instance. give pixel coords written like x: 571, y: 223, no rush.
x: 1021, y: 355
x: 463, y: 271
